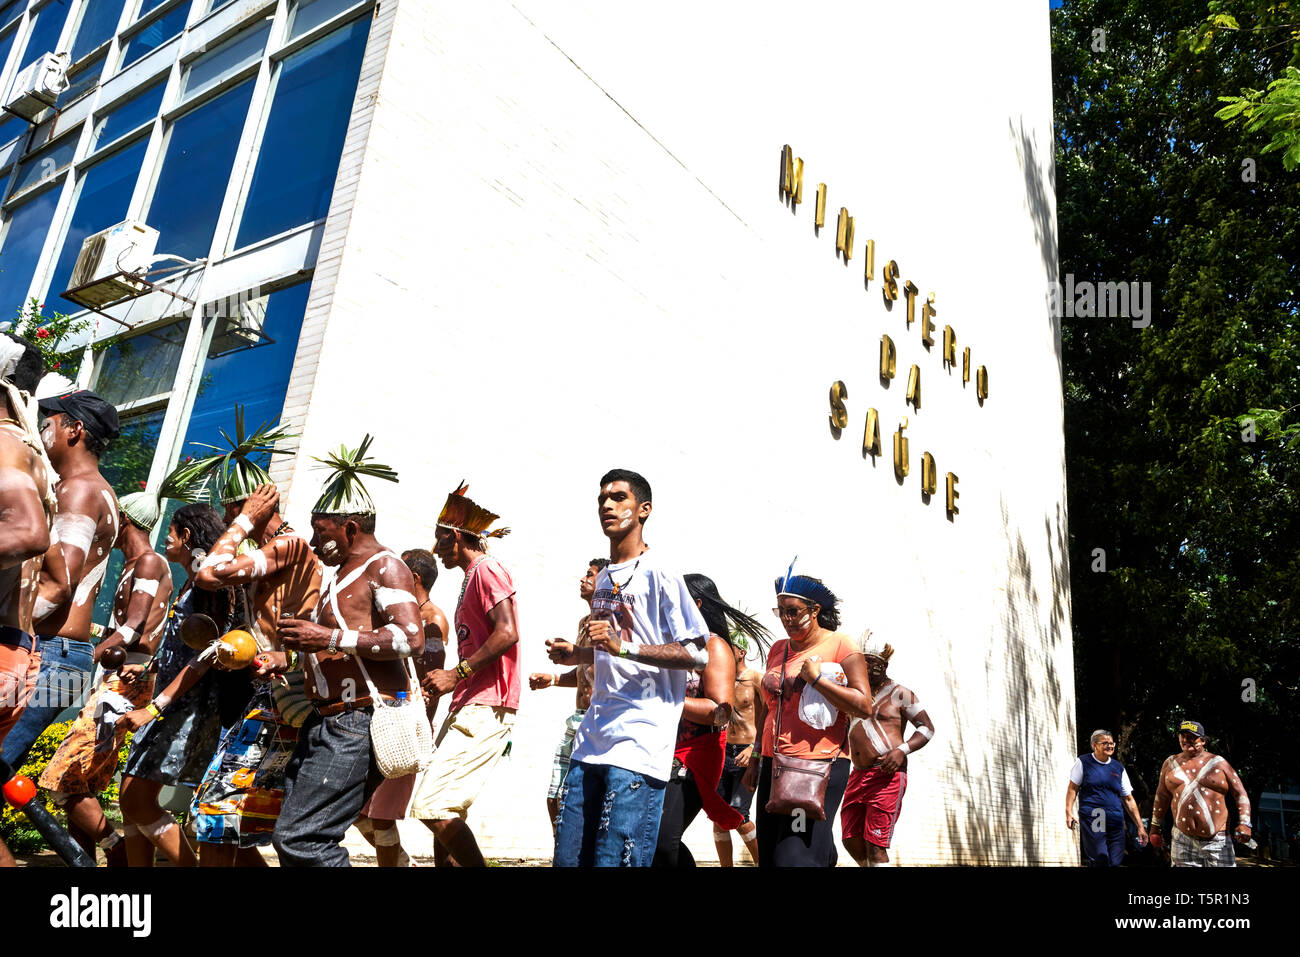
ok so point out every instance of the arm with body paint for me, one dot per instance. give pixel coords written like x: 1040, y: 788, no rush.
x: 183, y: 682
x: 912, y: 710
x: 129, y: 630
x: 24, y: 529
x: 712, y: 707
x: 689, y: 654
x: 400, y: 637
x: 81, y: 511
x: 221, y: 568
x: 1238, y: 791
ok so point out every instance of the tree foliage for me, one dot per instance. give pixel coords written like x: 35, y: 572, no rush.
x: 1198, y: 608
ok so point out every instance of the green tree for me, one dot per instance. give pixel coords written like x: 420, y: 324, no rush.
x: 1196, y: 611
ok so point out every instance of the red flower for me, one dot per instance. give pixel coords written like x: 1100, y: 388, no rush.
x: 42, y: 333
x: 143, y: 483
x: 58, y: 365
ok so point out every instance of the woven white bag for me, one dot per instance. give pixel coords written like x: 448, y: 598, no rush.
x: 400, y: 735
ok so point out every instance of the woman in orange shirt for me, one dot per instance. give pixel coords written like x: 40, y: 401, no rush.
x: 819, y: 679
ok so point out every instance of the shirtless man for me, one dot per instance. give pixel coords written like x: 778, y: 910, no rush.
x: 740, y: 748
x: 83, y: 765
x: 368, y: 614
x: 76, y: 429
x: 874, y: 796
x: 26, y: 506
x: 378, y: 821
x: 283, y: 580
x: 1199, y: 785
x: 578, y: 678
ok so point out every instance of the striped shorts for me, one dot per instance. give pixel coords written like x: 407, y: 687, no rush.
x: 1188, y: 851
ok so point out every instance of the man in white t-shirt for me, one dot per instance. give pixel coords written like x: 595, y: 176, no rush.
x: 645, y: 633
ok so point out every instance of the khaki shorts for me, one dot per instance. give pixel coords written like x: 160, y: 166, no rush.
x: 469, y: 747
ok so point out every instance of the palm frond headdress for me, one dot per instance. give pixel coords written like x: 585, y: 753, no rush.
x: 237, y: 475
x: 344, y: 492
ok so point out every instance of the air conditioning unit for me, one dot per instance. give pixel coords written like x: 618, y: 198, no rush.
x: 97, y: 278
x: 36, y: 88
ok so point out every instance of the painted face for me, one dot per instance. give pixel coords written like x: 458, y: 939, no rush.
x: 175, y: 549
x: 739, y: 654
x: 444, y: 547
x: 797, y: 616
x: 1190, y: 742
x: 587, y: 583
x: 876, y: 667
x: 331, y: 540
x: 617, y: 508
x: 47, y: 433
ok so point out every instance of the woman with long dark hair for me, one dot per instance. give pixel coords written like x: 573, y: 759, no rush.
x: 702, y: 732
x: 177, y: 734
x: 816, y: 680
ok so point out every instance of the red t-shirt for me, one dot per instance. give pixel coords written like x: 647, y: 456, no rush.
x: 799, y: 739
x: 496, y: 684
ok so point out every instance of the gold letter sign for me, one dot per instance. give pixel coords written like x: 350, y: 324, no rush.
x: 929, y: 479
x: 844, y: 234
x: 839, y: 414
x: 791, y: 176
x: 871, y: 435
x: 953, y: 494
x: 888, y: 358
x: 900, y: 451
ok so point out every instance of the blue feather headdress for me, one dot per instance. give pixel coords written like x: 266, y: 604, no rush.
x: 801, y: 586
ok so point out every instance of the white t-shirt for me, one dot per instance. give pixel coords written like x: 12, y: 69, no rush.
x: 1076, y: 776
x: 635, y: 708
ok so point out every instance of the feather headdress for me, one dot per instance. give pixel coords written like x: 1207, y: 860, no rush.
x: 461, y: 514
x: 805, y: 587
x: 237, y: 475
x: 876, y: 647
x: 144, y: 509
x: 344, y: 492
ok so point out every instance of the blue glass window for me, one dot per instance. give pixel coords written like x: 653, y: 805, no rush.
x: 309, y: 14
x: 45, y: 165
x: 6, y: 44
x: 98, y: 23
x: 13, y: 128
x: 103, y: 193
x: 85, y: 80
x: 165, y: 28
x: 147, y: 5
x: 128, y: 116
x: 229, y: 58
x: 140, y: 366
x: 195, y: 172
x: 299, y: 158
x: 10, y: 10
x: 256, y: 378
x: 44, y: 34
x: 21, y: 248
x: 214, y: 5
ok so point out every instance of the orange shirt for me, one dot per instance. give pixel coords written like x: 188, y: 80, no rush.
x: 797, y: 738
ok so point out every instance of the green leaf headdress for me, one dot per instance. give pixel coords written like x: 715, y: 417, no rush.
x: 144, y: 509
x: 344, y: 492
x: 237, y: 475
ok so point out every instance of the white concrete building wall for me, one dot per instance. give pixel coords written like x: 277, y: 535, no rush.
x: 557, y: 246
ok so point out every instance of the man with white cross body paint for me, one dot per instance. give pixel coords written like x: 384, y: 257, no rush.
x: 874, y: 796
x: 1199, y: 785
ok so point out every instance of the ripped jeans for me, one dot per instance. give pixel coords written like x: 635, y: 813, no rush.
x: 608, y: 817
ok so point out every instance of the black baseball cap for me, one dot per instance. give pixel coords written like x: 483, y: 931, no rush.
x: 96, y: 416
x: 1192, y: 727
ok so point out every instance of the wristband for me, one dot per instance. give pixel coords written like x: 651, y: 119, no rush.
x: 556, y: 679
x: 625, y: 649
x: 153, y: 710
x: 815, y: 680
x: 1154, y: 826
x: 464, y: 670
x: 245, y: 524
x: 333, y: 646
x: 905, y: 748
x: 291, y: 660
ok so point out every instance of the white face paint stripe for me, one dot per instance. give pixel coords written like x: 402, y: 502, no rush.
x: 147, y: 585
x: 259, y: 562
x: 388, y: 597
x: 76, y: 531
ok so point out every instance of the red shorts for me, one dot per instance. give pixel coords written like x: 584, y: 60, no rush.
x: 872, y: 802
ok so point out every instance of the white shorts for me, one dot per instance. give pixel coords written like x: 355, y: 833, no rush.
x: 469, y: 746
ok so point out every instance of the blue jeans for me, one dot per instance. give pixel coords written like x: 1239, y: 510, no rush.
x: 609, y: 817
x: 326, y: 784
x: 63, y: 682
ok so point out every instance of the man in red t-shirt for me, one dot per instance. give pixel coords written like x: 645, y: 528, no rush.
x: 484, y: 686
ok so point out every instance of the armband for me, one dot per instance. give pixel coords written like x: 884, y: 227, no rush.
x: 928, y: 733
x: 128, y: 634
x: 905, y: 748
x: 245, y: 524
x: 147, y: 585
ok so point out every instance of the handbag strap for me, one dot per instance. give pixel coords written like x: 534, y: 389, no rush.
x: 341, y: 622
x: 780, y: 700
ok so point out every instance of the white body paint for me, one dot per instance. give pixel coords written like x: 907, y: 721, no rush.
x: 259, y: 562
x: 388, y: 597
x: 75, y: 531
x: 43, y: 608
x: 244, y: 523
x: 147, y: 585
x: 348, y: 641
x: 128, y: 634
x: 400, y: 644
x: 89, y: 583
